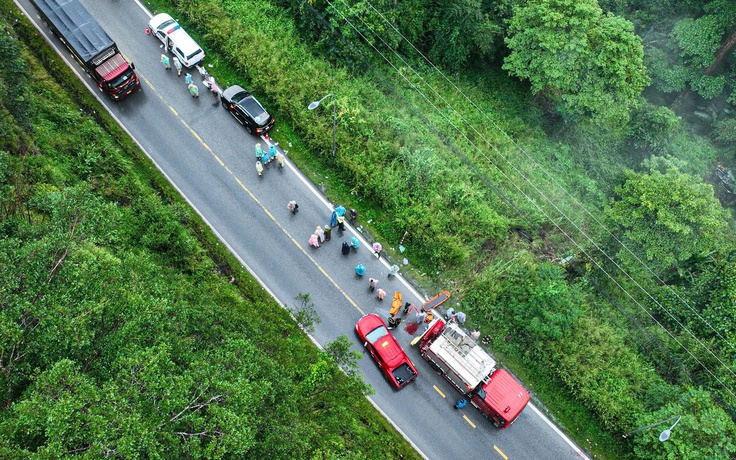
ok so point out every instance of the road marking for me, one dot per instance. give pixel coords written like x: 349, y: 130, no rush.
x: 171, y: 108
x: 473, y: 425
x: 500, y: 453
x: 261, y: 205
x: 299, y: 246
x: 439, y: 391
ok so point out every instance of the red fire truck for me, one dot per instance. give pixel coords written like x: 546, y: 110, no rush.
x: 473, y: 372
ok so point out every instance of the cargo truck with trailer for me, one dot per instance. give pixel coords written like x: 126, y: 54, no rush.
x: 90, y: 45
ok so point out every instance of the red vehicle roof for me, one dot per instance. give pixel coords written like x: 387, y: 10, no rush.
x: 505, y: 395
x: 112, y: 68
x: 391, y: 357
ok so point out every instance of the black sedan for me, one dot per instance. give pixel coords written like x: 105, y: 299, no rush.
x: 247, y: 110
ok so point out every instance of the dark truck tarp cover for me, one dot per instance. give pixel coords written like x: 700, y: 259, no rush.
x: 77, y: 26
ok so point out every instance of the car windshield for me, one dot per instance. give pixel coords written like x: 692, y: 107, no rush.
x: 376, y: 334
x: 121, y: 79
x: 165, y: 24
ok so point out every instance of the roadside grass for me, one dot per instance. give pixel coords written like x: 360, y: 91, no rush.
x: 227, y: 268
x: 510, y: 108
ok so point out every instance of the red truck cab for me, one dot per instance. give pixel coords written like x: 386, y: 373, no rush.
x: 116, y: 77
x: 501, y: 399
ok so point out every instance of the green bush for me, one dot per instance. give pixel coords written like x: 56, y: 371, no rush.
x: 120, y: 336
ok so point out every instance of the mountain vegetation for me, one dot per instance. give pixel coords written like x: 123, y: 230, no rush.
x: 126, y: 331
x: 565, y: 166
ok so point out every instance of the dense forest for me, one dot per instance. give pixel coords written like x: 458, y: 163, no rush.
x: 125, y: 330
x: 565, y: 166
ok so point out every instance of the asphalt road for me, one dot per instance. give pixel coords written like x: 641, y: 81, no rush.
x: 209, y: 158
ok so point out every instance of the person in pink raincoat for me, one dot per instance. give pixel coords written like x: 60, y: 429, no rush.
x: 377, y: 248
x: 373, y: 282
x: 380, y: 294
x: 314, y: 241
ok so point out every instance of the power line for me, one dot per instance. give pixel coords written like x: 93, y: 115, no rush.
x: 552, y: 178
x: 590, y: 240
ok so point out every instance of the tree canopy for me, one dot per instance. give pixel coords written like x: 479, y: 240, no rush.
x: 586, y: 62
x: 664, y: 216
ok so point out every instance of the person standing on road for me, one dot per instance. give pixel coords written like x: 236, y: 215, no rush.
x: 259, y: 168
x: 293, y: 207
x: 320, y: 233
x: 380, y: 294
x: 259, y: 151
x: 165, y: 62
x: 177, y: 65
x: 373, y: 282
x: 460, y: 317
x: 272, y: 152
x: 377, y: 248
x: 421, y: 316
x: 280, y: 158
x: 188, y: 79
x: 193, y: 90
x: 209, y: 82
x: 314, y: 241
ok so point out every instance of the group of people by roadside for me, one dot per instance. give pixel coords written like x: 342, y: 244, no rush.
x: 264, y: 157
x: 192, y: 87
x: 322, y: 234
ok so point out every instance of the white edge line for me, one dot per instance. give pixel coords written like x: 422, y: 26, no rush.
x: 559, y: 432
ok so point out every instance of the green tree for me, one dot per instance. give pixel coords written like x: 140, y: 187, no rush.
x: 13, y: 85
x: 585, y: 62
x: 704, y: 431
x: 339, y: 350
x: 462, y: 29
x: 541, y: 305
x: 305, y: 313
x: 664, y: 216
x: 651, y: 127
x: 693, y: 57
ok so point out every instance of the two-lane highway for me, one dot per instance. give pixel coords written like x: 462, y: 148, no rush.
x: 209, y: 158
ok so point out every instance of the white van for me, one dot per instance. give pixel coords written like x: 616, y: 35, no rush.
x: 175, y: 39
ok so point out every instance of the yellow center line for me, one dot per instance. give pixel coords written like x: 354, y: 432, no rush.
x: 500, y: 453
x: 258, y: 202
x: 471, y: 423
x: 439, y: 391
